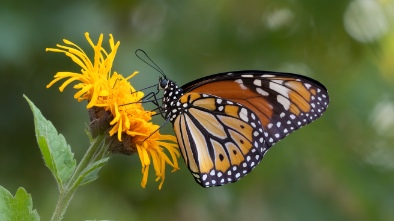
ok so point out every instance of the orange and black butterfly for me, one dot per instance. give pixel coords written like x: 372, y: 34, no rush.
x: 226, y: 122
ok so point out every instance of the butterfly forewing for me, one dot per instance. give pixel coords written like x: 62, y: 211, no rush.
x: 220, y: 140
x: 283, y: 102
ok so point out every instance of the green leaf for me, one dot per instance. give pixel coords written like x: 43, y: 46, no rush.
x: 89, y: 174
x: 55, y: 151
x: 18, y: 207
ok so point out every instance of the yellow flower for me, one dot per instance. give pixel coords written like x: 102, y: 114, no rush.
x: 114, y: 94
x: 153, y: 147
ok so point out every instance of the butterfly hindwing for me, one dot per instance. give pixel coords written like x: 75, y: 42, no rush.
x: 220, y: 140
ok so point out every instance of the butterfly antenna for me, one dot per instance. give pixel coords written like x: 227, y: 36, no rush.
x: 145, y: 88
x: 150, y: 62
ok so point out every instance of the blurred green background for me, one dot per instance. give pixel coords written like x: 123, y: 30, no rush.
x: 339, y: 168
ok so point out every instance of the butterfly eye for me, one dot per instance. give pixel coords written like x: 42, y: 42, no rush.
x: 163, y: 83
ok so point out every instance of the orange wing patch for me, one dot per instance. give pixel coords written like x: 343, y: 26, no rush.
x: 243, y: 144
x: 300, y: 96
x: 236, y: 157
x: 189, y: 97
x: 222, y: 162
x: 245, y: 129
x: 243, y: 95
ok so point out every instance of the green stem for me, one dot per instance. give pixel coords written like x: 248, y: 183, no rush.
x: 89, y: 156
x: 68, y: 190
x: 62, y: 204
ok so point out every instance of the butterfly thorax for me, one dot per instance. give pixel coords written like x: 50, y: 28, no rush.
x: 171, y: 105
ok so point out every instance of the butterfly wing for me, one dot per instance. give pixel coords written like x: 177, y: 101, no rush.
x: 283, y: 102
x: 220, y: 140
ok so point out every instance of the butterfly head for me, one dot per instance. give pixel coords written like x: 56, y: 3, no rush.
x: 163, y: 82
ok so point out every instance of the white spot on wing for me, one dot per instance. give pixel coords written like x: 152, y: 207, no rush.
x: 257, y: 82
x: 244, y: 115
x: 279, y: 88
x: 241, y: 84
x: 261, y: 91
x: 284, y: 101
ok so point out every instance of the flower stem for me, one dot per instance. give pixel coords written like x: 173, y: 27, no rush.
x: 67, y: 191
x: 62, y: 204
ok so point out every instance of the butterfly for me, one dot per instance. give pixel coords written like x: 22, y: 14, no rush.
x: 226, y: 122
